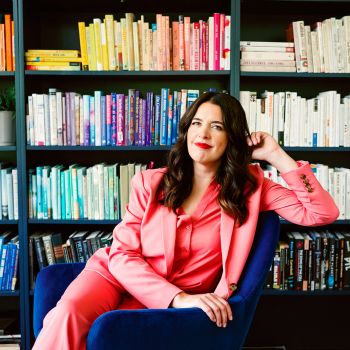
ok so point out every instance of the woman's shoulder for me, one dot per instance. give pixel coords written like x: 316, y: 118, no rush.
x: 150, y: 178
x: 255, y: 169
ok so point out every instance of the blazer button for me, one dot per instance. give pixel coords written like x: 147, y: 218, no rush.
x: 303, y: 176
x: 310, y: 189
x: 233, y: 287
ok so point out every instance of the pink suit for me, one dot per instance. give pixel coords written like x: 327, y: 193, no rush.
x: 133, y: 272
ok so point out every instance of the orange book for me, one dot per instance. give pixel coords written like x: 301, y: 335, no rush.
x: 176, y: 57
x: 8, y: 42
x: 181, y: 43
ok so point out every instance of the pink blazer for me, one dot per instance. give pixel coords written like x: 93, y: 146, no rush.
x: 142, y: 252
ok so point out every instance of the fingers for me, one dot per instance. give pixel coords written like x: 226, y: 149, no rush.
x: 217, y: 309
x: 255, y: 138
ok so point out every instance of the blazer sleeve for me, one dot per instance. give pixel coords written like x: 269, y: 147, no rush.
x: 304, y: 203
x: 126, y: 262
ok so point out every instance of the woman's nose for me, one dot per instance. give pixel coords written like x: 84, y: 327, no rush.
x: 204, y: 131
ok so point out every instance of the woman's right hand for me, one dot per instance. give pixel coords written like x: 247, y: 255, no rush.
x: 217, y: 308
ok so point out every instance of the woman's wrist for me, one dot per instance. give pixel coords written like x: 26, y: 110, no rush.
x: 282, y: 161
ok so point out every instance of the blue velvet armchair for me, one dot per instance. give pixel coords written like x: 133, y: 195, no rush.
x: 169, y: 328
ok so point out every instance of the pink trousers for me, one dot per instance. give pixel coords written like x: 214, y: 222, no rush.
x: 66, y: 326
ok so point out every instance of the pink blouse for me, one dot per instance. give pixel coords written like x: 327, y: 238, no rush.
x: 197, y: 263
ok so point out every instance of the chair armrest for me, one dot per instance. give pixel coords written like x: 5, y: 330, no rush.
x: 50, y: 284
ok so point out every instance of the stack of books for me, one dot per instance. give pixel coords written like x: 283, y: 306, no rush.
x: 69, y: 60
x: 267, y: 56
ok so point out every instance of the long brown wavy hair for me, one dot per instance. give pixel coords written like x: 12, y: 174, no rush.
x: 236, y: 182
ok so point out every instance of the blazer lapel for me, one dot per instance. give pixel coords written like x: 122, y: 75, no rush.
x: 168, y: 223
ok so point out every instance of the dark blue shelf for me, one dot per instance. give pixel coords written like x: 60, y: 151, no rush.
x: 8, y: 222
x: 98, y: 148
x: 73, y: 222
x: 132, y: 73
x: 317, y: 149
x: 9, y: 293
x: 276, y: 292
x: 7, y: 148
x: 337, y: 222
x: 7, y: 74
x: 295, y: 75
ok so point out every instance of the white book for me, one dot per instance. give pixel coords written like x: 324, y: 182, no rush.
x: 267, y: 69
x: 211, y: 43
x: 98, y: 118
x: 136, y: 46
x: 346, y: 25
x: 294, y: 120
x: 95, y: 193
x: 244, y: 100
x: 267, y: 55
x: 9, y: 189
x: 59, y: 114
x: 316, y: 64
x: 268, y: 97
x: 309, y: 122
x: 310, y: 66
x: 304, y: 123
x: 281, y: 115
x: 102, y: 187
x: 326, y: 37
x: 124, y: 188
x: 267, y: 48
x: 276, y: 101
x: 39, y: 119
x: 346, y: 101
x: 300, y: 46
x: 341, y: 124
x: 81, y: 121
x: 227, y: 43
x: 89, y: 202
x: 54, y: 194
x: 47, y: 119
x: 15, y: 193
x: 109, y: 23
x: 267, y: 43
x: 253, y: 105
x: 53, y: 116
x: 267, y: 62
x: 30, y: 118
x: 317, y: 27
x: 287, y: 118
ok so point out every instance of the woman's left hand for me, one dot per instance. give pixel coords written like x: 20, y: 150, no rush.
x: 264, y: 145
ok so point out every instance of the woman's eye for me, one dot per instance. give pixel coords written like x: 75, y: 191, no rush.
x: 217, y: 127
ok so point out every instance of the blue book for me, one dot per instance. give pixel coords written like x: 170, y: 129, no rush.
x: 131, y: 117
x: 164, y: 105
x: 114, y: 118
x: 2, y: 263
x: 176, y: 114
x: 137, y: 117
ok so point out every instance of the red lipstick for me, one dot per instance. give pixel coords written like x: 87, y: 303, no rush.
x: 202, y: 145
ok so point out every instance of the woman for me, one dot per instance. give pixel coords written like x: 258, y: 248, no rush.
x: 188, y: 228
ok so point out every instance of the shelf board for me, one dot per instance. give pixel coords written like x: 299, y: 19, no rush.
x: 295, y: 75
x: 276, y: 292
x: 132, y: 73
x: 8, y: 222
x: 9, y: 293
x: 7, y: 74
x: 7, y: 148
x: 336, y: 222
x: 72, y: 222
x: 317, y: 149
x: 98, y: 148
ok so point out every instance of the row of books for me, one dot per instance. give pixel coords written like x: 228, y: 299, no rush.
x: 127, y: 44
x: 115, y: 119
x: 8, y: 193
x: 99, y: 192
x: 322, y: 47
x: 7, y: 50
x: 310, y: 261
x: 334, y: 180
x: 47, y: 248
x: 267, y: 56
x: 322, y: 121
x: 9, y: 247
x: 53, y: 60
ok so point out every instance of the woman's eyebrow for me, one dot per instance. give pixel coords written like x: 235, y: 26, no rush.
x: 213, y: 121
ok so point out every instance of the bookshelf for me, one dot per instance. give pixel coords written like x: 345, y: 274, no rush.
x: 49, y: 25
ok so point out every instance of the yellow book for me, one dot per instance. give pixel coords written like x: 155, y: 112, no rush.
x: 129, y: 18
x: 54, y: 53
x: 83, y: 45
x: 93, y: 65
x: 118, y: 45
x: 105, y: 63
x: 109, y: 21
x: 98, y: 43
x: 34, y: 58
x: 53, y: 63
x: 124, y: 44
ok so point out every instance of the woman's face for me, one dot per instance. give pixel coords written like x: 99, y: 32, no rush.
x: 206, y: 137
